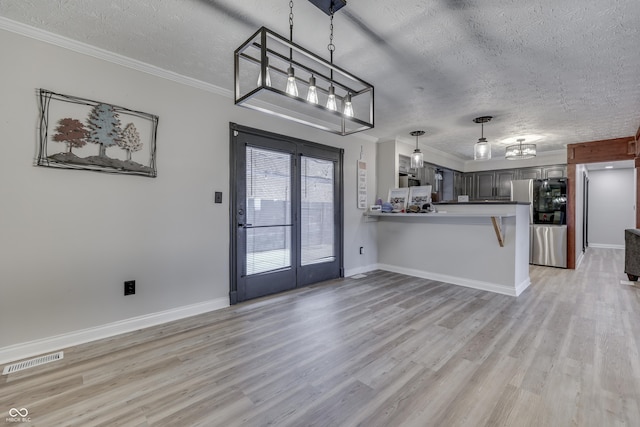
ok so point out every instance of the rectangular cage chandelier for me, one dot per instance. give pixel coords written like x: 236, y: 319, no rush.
x: 263, y: 68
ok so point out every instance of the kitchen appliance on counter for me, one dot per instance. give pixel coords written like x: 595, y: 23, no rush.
x: 408, y: 180
x: 548, y: 230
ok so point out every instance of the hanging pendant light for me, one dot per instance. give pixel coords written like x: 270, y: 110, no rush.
x: 331, y: 100
x: 520, y: 151
x: 348, y: 106
x: 267, y: 80
x: 301, y: 86
x: 417, y: 158
x: 292, y: 88
x: 312, y: 94
x: 482, y: 149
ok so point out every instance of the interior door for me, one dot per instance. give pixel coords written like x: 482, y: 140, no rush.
x: 286, y: 213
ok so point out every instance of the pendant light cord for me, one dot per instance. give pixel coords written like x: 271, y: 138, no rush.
x: 290, y: 30
x: 331, y: 46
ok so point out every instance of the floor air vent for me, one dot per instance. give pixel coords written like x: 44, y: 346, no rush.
x: 21, y: 366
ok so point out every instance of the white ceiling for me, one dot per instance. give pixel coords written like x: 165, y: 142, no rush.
x: 552, y: 72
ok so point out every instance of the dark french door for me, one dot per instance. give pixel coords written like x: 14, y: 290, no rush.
x: 286, y: 213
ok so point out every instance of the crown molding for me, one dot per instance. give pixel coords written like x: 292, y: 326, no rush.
x: 105, y: 55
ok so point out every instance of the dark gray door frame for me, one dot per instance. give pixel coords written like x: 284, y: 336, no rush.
x: 307, y: 274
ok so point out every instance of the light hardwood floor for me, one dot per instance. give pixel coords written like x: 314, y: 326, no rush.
x: 385, y: 350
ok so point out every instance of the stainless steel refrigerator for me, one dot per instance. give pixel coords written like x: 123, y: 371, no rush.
x: 547, y: 218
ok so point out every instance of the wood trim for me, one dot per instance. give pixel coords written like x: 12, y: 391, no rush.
x: 606, y: 150
x: 498, y: 229
x: 637, y: 164
x: 571, y: 216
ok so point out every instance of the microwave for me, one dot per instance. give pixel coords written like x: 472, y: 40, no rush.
x: 409, y: 181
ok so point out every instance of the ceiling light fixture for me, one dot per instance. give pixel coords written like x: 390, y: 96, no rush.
x: 292, y: 88
x: 520, y: 151
x: 295, y: 84
x: 417, y: 158
x: 312, y: 94
x: 482, y: 149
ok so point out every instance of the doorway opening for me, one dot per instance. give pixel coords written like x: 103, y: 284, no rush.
x: 286, y: 213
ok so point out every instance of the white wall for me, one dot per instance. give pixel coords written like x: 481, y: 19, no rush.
x: 611, y: 206
x: 68, y: 239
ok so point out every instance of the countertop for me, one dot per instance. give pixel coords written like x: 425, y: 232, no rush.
x: 483, y: 202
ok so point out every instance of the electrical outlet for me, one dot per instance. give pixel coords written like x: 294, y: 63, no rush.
x: 129, y: 287
x: 218, y: 197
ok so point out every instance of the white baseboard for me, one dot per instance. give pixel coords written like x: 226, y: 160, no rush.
x: 69, y: 339
x: 359, y: 270
x: 605, y: 246
x: 580, y: 259
x: 461, y: 281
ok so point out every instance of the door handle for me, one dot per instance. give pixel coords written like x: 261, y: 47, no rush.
x: 244, y: 225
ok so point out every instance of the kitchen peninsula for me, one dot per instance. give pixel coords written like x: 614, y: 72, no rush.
x: 481, y: 245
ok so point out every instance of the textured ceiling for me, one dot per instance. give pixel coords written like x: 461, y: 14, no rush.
x: 552, y: 72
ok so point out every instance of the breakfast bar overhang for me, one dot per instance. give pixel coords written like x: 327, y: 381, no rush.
x: 481, y: 245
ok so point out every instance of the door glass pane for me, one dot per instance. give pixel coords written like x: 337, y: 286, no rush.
x: 268, y: 215
x: 317, y: 225
x: 268, y: 249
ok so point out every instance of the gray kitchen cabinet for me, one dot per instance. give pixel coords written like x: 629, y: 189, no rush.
x: 467, y: 187
x: 458, y: 184
x: 503, y: 180
x: 529, y: 173
x: 559, y: 171
x: 484, y: 184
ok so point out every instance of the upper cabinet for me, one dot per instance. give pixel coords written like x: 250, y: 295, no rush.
x: 493, y: 184
x: 481, y: 185
x: 496, y: 184
x: 529, y: 173
x: 484, y: 185
x: 559, y: 171
x: 503, y: 183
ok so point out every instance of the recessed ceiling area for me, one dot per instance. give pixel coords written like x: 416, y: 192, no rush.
x: 622, y: 164
x: 553, y: 73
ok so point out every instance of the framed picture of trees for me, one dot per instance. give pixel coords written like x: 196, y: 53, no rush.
x: 77, y: 133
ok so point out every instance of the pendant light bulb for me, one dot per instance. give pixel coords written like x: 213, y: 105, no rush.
x: 292, y: 88
x: 267, y: 76
x: 417, y: 158
x: 312, y: 95
x: 348, y: 106
x: 331, y: 101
